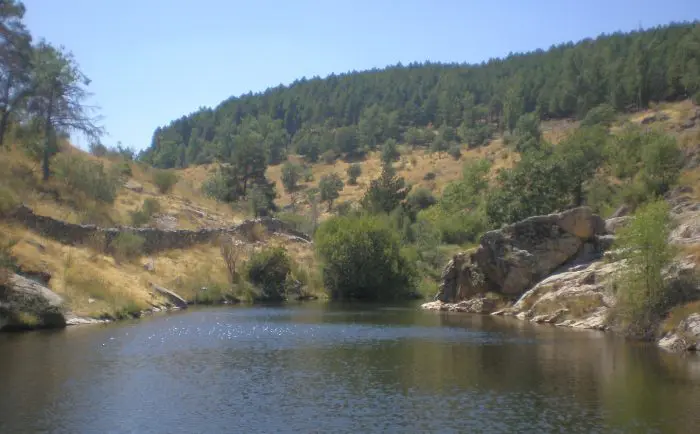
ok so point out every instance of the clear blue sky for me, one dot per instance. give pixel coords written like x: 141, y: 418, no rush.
x: 152, y: 61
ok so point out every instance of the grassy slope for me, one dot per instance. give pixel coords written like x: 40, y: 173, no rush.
x: 94, y: 284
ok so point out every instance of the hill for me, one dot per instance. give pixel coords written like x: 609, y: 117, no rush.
x: 354, y: 113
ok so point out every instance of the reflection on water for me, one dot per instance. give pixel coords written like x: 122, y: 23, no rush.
x: 324, y: 368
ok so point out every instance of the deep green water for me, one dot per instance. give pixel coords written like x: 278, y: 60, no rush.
x: 324, y: 368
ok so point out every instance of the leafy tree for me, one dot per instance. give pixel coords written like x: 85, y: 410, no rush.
x: 291, y: 173
x: 581, y: 154
x: 386, y: 192
x: 643, y: 294
x: 15, y: 62
x: 354, y: 172
x: 58, y: 98
x: 346, y: 140
x: 390, y: 151
x: 330, y: 187
x: 362, y: 259
x: 527, y: 133
x: 536, y: 185
x: 262, y: 198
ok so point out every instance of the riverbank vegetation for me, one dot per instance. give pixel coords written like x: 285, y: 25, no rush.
x: 390, y: 171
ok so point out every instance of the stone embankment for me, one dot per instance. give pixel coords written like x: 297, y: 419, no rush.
x: 155, y: 240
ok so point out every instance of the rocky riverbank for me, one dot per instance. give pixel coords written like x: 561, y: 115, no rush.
x: 558, y: 269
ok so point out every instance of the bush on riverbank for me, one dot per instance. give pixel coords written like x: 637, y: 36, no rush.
x: 642, y: 292
x: 268, y: 270
x: 362, y: 259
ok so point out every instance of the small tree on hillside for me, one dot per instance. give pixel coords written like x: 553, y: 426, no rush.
x: 291, y: 173
x: 330, y: 187
x: 642, y: 292
x: 386, y: 192
x: 354, y: 172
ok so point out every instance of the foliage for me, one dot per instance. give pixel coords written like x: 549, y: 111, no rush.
x: 354, y: 172
x: 268, y: 270
x: 143, y: 215
x: 126, y: 246
x: 58, y: 98
x: 362, y: 259
x: 420, y: 199
x: 215, y: 186
x: 459, y: 215
x: 603, y: 115
x: 330, y: 187
x: 643, y: 294
x: 291, y: 173
x: 262, y: 198
x: 455, y: 152
x: 390, y: 151
x: 86, y: 176
x: 536, y: 185
x: 165, y: 180
x: 386, y: 192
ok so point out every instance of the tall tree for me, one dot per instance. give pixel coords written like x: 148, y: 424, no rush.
x: 59, y: 98
x: 15, y: 61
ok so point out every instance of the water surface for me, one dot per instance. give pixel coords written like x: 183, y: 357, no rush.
x: 325, y: 368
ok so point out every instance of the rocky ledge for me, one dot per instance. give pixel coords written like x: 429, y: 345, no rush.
x: 557, y: 269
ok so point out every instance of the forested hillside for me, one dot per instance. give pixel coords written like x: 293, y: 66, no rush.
x: 355, y: 112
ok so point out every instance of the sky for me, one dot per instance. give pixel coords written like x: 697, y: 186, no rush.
x: 152, y: 61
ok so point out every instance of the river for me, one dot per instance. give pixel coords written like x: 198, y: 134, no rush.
x: 328, y: 368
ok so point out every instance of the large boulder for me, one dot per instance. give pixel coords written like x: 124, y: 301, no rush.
x: 510, y: 260
x: 26, y: 304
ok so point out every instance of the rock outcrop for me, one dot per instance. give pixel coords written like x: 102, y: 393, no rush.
x: 509, y: 261
x: 26, y: 304
x: 155, y: 239
x: 686, y: 337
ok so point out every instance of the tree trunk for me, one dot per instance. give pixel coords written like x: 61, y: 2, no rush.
x: 48, y: 130
x: 5, y: 111
x: 3, y: 125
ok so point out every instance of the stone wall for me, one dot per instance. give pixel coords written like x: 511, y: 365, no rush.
x: 155, y: 240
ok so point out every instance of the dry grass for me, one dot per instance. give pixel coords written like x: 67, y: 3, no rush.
x: 679, y: 313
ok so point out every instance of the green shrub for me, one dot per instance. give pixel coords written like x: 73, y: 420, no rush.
x: 361, y: 259
x: 8, y: 201
x: 455, y: 152
x: 143, y: 215
x: 329, y: 156
x: 86, y: 176
x: 291, y: 173
x: 215, y: 186
x: 124, y: 168
x: 429, y: 176
x: 165, y: 180
x: 330, y: 187
x: 420, y: 199
x: 354, y: 172
x: 643, y: 294
x: 267, y: 270
x: 126, y: 246
x: 390, y: 151
x: 603, y: 114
